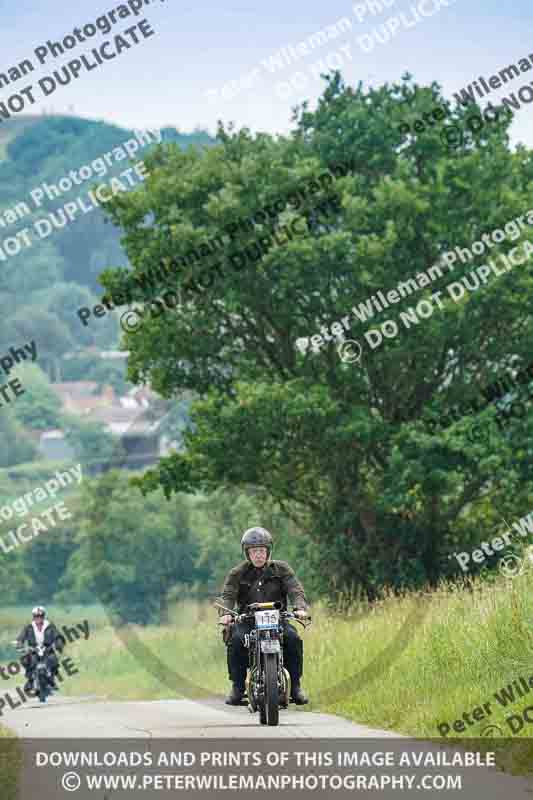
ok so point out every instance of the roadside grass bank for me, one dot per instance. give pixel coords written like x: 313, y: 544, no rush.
x: 461, y: 645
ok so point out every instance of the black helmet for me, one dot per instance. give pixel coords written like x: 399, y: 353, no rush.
x: 256, y: 537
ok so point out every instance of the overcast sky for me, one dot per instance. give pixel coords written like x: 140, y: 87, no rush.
x: 199, y: 48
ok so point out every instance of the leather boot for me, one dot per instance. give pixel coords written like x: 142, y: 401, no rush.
x: 298, y: 695
x: 236, y: 695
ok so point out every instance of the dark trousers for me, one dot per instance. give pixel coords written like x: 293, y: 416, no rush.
x: 29, y: 662
x: 293, y: 654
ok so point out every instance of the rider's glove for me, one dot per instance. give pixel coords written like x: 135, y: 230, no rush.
x: 301, y: 613
x: 226, y: 619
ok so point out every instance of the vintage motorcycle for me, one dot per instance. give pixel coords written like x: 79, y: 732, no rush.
x: 41, y: 675
x: 268, y: 684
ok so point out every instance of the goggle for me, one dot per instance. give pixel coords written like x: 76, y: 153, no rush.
x: 36, y: 616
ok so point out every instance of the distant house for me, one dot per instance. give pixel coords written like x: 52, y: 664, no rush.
x: 125, y: 418
x: 120, y: 355
x: 78, y: 397
x: 139, y: 437
x: 54, y: 446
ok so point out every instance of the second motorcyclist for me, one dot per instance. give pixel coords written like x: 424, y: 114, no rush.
x: 40, y: 632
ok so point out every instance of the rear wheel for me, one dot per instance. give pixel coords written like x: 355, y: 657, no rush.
x: 271, y: 705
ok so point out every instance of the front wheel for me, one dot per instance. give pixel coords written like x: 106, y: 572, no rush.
x: 43, y: 686
x: 271, y: 697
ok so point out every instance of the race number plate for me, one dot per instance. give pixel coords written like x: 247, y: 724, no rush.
x: 271, y: 647
x: 265, y: 620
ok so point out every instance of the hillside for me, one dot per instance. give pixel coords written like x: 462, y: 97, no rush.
x: 56, y: 268
x: 13, y: 127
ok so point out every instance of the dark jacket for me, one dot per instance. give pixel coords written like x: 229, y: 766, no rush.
x: 276, y: 581
x: 51, y: 635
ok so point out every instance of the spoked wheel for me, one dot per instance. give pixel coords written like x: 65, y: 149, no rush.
x: 271, y: 701
x: 285, y: 689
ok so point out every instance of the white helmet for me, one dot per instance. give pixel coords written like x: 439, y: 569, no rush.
x: 38, y: 610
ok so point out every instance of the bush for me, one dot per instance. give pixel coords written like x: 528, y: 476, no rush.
x: 39, y: 407
x: 17, y: 447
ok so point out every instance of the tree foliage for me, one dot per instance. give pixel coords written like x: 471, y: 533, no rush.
x: 343, y: 448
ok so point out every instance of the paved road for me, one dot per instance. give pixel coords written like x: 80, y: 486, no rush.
x: 89, y: 717
x: 69, y: 720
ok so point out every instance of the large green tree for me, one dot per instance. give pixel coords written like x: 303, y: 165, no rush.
x: 343, y: 448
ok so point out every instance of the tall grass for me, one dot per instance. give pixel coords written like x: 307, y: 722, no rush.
x: 406, y: 664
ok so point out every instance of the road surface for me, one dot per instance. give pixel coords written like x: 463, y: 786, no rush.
x: 93, y: 718
x: 67, y: 721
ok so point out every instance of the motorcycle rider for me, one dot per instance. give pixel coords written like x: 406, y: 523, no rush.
x: 258, y: 580
x: 40, y: 632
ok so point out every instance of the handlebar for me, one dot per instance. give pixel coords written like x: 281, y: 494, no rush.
x: 27, y: 648
x: 251, y: 614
